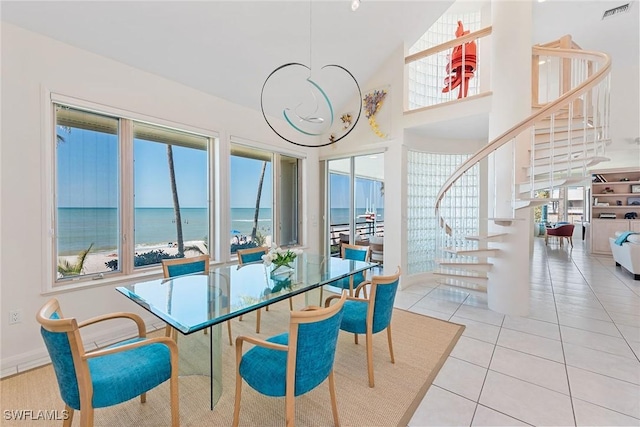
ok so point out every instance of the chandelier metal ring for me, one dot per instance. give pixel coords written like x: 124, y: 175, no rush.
x: 309, y: 119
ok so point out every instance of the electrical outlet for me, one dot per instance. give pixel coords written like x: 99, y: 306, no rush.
x: 15, y: 316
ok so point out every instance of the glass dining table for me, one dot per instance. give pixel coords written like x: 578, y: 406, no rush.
x: 201, y: 302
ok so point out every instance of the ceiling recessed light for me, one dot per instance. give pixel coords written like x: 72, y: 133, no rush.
x: 355, y: 4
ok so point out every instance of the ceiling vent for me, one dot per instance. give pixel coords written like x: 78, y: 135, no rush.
x: 616, y: 11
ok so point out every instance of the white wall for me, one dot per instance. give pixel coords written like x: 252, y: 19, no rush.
x: 32, y: 64
x: 362, y: 140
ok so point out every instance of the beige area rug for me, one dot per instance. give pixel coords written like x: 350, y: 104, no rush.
x: 421, y: 345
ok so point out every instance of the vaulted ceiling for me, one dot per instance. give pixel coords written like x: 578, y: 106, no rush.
x: 228, y: 48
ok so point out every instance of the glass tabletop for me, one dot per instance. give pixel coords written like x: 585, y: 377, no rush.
x: 194, y: 302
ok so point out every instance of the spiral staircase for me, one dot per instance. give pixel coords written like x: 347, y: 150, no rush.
x: 566, y: 136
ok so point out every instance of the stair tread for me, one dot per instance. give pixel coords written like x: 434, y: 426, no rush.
x: 462, y: 284
x: 485, y: 236
x: 461, y: 263
x: 459, y: 275
x: 461, y: 251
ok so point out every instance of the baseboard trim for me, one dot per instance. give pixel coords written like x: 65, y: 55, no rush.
x: 36, y: 358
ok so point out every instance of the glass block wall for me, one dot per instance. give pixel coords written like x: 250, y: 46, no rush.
x: 426, y: 76
x: 425, y: 238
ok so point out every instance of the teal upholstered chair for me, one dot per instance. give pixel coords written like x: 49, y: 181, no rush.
x: 181, y: 266
x: 106, y: 376
x: 371, y: 315
x: 356, y: 253
x: 293, y: 363
x: 250, y: 256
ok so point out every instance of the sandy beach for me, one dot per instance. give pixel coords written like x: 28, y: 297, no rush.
x: 96, y: 261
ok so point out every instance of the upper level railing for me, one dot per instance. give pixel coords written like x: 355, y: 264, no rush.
x: 429, y: 73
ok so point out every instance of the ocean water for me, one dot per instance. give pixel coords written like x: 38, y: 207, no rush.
x: 80, y: 227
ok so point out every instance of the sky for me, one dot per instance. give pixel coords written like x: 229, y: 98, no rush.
x: 88, y: 174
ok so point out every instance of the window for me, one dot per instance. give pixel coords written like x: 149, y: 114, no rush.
x: 254, y: 175
x: 127, y: 194
x: 170, y: 192
x: 87, y: 191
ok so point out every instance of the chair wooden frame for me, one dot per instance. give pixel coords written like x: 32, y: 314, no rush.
x: 373, y: 284
x: 81, y: 357
x: 166, y: 263
x: 309, y: 314
x: 250, y: 251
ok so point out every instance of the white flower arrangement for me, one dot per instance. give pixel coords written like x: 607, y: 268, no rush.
x: 279, y: 256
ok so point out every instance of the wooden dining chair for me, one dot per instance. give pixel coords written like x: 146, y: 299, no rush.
x: 372, y: 314
x: 180, y: 266
x: 250, y: 256
x: 107, y: 376
x: 291, y: 364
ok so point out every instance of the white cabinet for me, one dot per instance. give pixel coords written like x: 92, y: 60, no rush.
x: 602, y: 229
x: 614, y: 193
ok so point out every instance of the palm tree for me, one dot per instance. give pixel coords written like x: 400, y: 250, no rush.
x: 66, y: 268
x: 257, y: 212
x: 176, y: 203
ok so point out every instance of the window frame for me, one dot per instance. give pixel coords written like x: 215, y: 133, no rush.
x: 127, y: 272
x: 276, y: 209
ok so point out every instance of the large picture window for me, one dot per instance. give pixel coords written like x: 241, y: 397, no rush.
x: 128, y: 194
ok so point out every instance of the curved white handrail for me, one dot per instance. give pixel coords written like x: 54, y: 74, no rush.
x: 603, y: 59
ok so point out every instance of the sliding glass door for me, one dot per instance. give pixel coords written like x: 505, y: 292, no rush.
x: 355, y: 197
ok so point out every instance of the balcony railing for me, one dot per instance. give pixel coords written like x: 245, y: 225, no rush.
x: 427, y: 78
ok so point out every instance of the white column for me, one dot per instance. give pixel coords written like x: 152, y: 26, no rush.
x: 508, y: 287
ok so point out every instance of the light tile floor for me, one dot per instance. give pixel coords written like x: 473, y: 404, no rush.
x: 574, y: 361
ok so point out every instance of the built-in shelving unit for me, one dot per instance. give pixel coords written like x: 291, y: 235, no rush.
x: 615, y: 193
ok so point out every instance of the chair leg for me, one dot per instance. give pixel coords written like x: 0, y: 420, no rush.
x: 571, y: 240
x: 229, y: 330
x: 290, y: 409
x: 175, y: 398
x: 290, y: 304
x: 390, y: 343
x: 86, y: 417
x: 334, y: 403
x: 69, y: 420
x: 143, y: 398
x: 236, y: 405
x: 258, y: 321
x: 369, y: 340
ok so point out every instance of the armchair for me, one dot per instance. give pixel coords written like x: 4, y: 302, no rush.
x: 561, y: 231
x: 181, y: 266
x: 294, y: 363
x: 372, y: 314
x: 110, y: 375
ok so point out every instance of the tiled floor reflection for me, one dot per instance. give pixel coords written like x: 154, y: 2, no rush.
x: 574, y: 361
